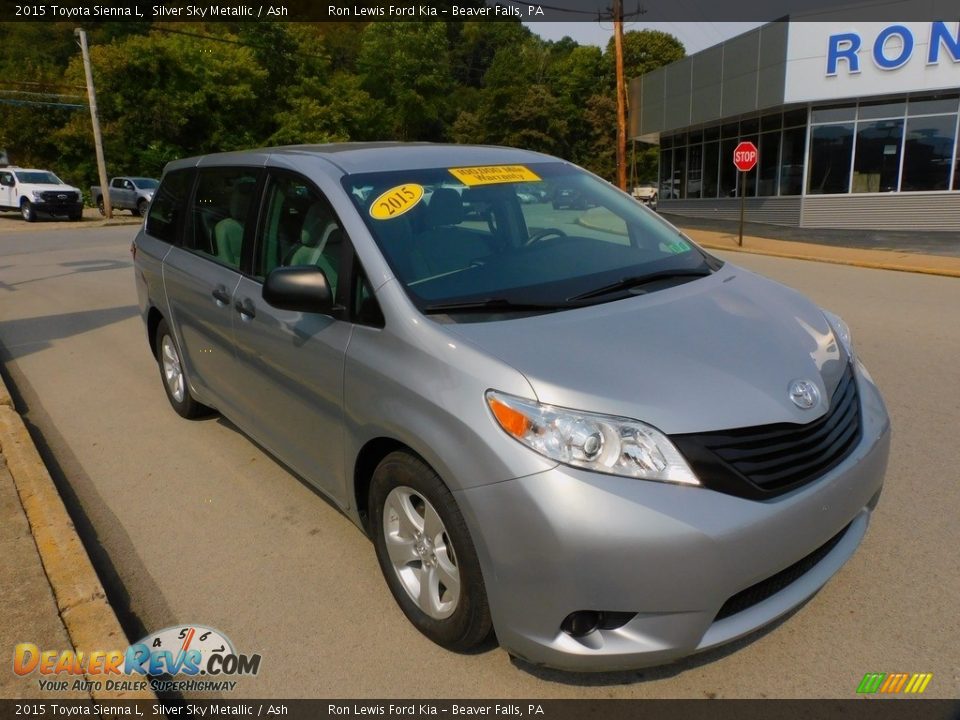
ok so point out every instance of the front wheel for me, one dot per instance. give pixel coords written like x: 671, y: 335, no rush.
x: 27, y: 210
x: 174, y: 377
x: 426, y: 554
x: 142, y: 208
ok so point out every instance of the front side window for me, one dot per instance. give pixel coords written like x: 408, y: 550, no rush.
x: 555, y: 238
x: 167, y: 209
x: 222, y: 205
x: 299, y: 228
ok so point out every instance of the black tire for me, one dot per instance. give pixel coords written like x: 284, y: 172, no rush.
x: 76, y: 215
x: 27, y: 211
x: 469, y: 624
x: 100, y: 206
x: 142, y: 206
x: 186, y: 406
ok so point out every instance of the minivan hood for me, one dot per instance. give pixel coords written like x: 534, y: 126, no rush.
x: 715, y: 353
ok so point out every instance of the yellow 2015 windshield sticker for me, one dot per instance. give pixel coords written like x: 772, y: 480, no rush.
x: 492, y: 174
x: 396, y: 201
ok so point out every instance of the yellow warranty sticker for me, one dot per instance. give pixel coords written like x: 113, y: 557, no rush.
x: 491, y: 174
x: 396, y: 201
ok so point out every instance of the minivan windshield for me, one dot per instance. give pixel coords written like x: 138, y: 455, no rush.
x: 536, y: 237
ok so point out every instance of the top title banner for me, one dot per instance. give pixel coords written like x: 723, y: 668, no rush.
x: 470, y: 10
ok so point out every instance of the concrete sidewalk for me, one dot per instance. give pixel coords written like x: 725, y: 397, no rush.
x: 50, y: 594
x: 887, y: 259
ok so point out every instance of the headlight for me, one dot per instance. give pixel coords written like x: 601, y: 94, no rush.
x: 37, y: 197
x: 841, y: 330
x: 601, y: 443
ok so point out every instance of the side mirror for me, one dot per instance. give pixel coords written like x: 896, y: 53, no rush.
x: 299, y: 288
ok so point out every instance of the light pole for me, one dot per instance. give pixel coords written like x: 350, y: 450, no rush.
x: 97, y: 140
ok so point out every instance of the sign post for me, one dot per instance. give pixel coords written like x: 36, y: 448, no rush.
x: 745, y: 157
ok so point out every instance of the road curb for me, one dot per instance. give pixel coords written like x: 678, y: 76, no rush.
x: 90, y: 621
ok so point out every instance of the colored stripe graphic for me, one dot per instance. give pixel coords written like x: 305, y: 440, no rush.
x: 871, y: 682
x: 918, y: 683
x: 892, y: 683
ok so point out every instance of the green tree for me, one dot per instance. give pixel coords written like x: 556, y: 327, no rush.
x: 168, y: 92
x: 643, y: 51
x: 405, y: 67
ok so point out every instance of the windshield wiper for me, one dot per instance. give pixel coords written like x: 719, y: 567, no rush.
x: 636, y: 281
x: 497, y: 304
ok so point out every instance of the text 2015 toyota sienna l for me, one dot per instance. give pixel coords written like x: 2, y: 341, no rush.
x: 569, y: 425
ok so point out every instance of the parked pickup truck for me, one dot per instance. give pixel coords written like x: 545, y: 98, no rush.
x: 38, y: 192
x: 646, y: 193
x: 127, y: 193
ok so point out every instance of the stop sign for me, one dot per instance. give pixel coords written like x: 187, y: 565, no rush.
x: 745, y: 156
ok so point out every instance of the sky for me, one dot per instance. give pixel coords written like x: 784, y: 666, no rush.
x: 694, y: 36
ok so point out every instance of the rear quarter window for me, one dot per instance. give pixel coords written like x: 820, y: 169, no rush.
x: 169, y: 206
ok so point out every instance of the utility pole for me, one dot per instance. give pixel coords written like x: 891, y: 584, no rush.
x: 97, y: 140
x: 621, y: 96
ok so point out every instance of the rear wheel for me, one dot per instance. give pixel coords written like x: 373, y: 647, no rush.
x: 27, y: 210
x: 100, y: 206
x: 173, y: 375
x: 426, y: 554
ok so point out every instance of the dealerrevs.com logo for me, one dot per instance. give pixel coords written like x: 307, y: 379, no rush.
x: 202, y: 654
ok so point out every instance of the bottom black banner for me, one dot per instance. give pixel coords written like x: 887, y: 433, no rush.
x: 865, y: 709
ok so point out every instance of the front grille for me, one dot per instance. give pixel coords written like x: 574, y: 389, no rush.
x: 54, y: 196
x: 764, y: 589
x: 767, y: 460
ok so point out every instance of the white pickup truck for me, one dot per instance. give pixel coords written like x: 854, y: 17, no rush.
x: 38, y: 192
x: 127, y: 193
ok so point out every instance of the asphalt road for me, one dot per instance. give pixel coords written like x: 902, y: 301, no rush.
x: 190, y: 522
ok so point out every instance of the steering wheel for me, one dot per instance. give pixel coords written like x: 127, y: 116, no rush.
x: 541, y: 235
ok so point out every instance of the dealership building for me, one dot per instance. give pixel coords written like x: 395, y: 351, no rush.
x: 856, y: 125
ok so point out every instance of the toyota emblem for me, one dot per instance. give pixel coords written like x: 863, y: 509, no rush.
x: 804, y: 394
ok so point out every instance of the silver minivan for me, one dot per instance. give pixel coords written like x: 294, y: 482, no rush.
x: 564, y: 422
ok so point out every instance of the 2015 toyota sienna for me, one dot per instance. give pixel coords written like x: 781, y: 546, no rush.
x: 568, y: 424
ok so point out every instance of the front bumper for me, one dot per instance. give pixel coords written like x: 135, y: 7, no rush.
x: 58, y: 208
x: 567, y: 540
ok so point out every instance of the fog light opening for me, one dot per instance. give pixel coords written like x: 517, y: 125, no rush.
x: 581, y: 623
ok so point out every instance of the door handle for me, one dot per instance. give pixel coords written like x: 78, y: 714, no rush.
x: 246, y: 309
x: 221, y: 295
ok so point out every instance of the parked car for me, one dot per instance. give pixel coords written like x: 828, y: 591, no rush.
x: 646, y: 193
x: 38, y: 192
x: 615, y: 449
x: 126, y: 193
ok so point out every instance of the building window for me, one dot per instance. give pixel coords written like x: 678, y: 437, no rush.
x: 695, y: 171
x: 928, y: 152
x: 711, y: 169
x: 830, y: 149
x: 877, y: 163
x: 679, y: 185
x: 791, y: 162
x: 769, y: 163
x: 728, y: 173
x: 666, y: 170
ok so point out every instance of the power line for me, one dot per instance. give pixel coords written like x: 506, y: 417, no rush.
x: 40, y: 84
x: 13, y: 101
x: 40, y: 94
